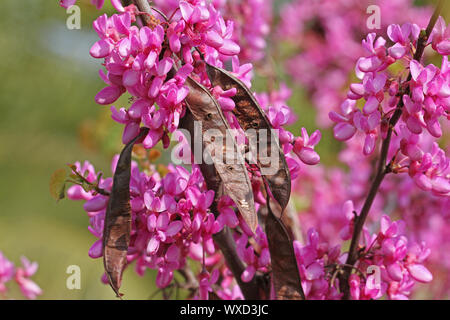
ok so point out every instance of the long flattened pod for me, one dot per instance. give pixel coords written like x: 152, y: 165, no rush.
x: 117, y: 229
x: 229, y: 164
x: 251, y: 116
x: 285, y: 274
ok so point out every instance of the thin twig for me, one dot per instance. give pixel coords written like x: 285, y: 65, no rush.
x: 95, y: 187
x: 191, y: 282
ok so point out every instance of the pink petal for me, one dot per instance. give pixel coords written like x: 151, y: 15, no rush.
x: 314, y: 271
x: 369, y: 144
x: 163, y: 277
x: 98, y: 3
x: 164, y: 66
x: 441, y: 185
x: 174, y: 228
x: 443, y: 47
x: 308, y: 156
x: 117, y: 4
x: 344, y: 131
x: 173, y: 253
x: 131, y: 78
x: 395, y: 271
x: 96, y: 204
x: 137, y: 108
x: 414, y: 125
x: 151, y: 60
x: 248, y: 274
x: 96, y: 251
x: 130, y: 132
x: 101, y: 49
x: 163, y: 221
x: 229, y: 48
x: 213, y: 39
x: 152, y: 139
x: 420, y: 273
x: 422, y: 181
x: 108, y: 95
x: 397, y: 51
x: 371, y: 105
x: 369, y: 64
x: 67, y: 3
x: 153, y: 245
x: 415, y: 69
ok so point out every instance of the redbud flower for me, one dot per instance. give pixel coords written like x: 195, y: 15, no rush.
x: 304, y: 147
x: 27, y: 286
x: 6, y: 272
x: 441, y: 37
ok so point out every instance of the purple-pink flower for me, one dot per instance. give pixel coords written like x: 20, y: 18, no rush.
x: 21, y: 275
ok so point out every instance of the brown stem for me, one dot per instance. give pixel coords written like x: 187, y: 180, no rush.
x: 191, y: 282
x: 144, y: 6
x: 383, y: 168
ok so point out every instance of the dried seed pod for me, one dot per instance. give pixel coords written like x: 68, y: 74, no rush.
x: 227, y: 173
x: 251, y: 116
x: 116, y: 232
x: 285, y: 274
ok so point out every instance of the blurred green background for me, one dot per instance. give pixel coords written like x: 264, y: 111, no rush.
x: 48, y: 113
x: 49, y: 119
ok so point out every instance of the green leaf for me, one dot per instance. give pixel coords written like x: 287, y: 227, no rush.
x: 58, y: 184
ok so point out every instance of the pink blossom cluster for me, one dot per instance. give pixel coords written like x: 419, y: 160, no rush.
x: 21, y: 275
x: 400, y: 263
x: 423, y: 109
x: 138, y: 61
x: 172, y: 223
x: 255, y: 261
x: 427, y: 219
x: 388, y: 265
x: 280, y: 115
x: 323, y: 38
x: 251, y: 23
x: 170, y: 215
x: 314, y: 260
x: 321, y: 205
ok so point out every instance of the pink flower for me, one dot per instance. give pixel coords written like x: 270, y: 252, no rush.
x: 401, y: 36
x: 344, y: 128
x: 441, y: 37
x: 206, y: 280
x: 163, y: 230
x: 67, y: 3
x: 304, y: 147
x: 28, y: 287
x: 6, y: 272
